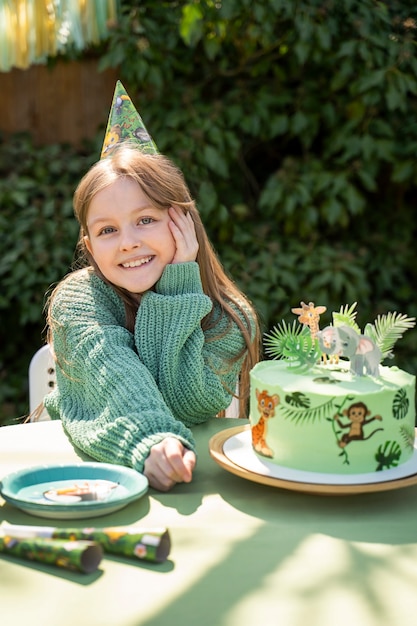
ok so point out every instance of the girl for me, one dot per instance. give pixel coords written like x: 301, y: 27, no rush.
x: 151, y: 337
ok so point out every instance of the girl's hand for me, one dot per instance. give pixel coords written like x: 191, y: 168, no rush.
x: 168, y: 463
x: 183, y: 230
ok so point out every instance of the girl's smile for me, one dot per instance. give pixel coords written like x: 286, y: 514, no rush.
x: 138, y: 262
x: 129, y: 239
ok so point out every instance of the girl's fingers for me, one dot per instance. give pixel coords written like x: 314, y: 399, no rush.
x: 180, y: 461
x: 183, y: 231
x: 168, y: 463
x: 189, y: 461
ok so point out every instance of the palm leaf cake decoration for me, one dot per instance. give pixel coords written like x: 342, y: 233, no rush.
x: 386, y: 331
x: 294, y: 344
x: 346, y: 317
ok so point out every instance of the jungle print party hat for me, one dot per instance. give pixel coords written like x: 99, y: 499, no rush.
x: 125, y: 124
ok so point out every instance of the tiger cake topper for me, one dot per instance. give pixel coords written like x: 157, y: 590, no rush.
x: 125, y: 125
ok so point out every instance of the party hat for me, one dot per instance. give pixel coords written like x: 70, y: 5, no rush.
x: 125, y: 124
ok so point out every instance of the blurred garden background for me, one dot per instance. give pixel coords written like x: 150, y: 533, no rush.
x: 295, y: 123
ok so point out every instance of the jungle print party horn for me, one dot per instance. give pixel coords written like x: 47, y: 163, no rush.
x: 81, y: 556
x: 141, y: 543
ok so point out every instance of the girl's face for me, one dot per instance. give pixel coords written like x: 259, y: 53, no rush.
x: 129, y: 239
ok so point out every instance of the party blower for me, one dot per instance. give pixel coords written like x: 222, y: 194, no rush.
x: 141, y: 543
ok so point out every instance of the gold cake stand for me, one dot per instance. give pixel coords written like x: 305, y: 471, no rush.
x: 217, y: 442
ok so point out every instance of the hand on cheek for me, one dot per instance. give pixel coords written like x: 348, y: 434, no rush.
x: 183, y: 230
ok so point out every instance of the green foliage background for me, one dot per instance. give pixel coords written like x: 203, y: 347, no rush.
x: 295, y: 124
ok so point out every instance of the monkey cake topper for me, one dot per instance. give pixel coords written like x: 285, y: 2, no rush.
x: 125, y: 125
x: 305, y: 346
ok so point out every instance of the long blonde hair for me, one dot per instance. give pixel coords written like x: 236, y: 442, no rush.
x: 164, y: 185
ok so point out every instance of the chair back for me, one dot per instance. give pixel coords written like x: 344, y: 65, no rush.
x: 42, y: 380
x: 233, y: 408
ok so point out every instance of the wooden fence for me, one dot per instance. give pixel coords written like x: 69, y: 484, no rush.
x: 65, y: 103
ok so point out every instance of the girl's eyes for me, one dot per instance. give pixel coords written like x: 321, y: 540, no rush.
x: 144, y: 221
x: 107, y: 230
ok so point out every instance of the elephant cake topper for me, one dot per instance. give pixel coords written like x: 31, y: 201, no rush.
x: 343, y: 341
x: 304, y: 345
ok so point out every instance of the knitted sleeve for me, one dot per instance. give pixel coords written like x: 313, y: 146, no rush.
x: 195, y: 371
x: 106, y: 397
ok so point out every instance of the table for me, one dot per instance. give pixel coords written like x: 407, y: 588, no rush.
x: 242, y: 554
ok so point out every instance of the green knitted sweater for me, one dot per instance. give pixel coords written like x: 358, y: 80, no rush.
x: 119, y: 393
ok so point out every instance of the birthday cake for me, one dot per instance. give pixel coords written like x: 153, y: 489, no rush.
x: 324, y: 403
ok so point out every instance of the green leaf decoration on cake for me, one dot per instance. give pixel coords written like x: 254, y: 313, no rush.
x: 400, y: 405
x: 298, y: 399
x: 302, y: 353
x: 345, y: 457
x: 279, y: 336
x: 388, y: 455
x: 294, y: 344
x: 346, y: 317
x: 408, y: 436
x: 387, y: 329
x: 349, y: 398
x: 297, y: 415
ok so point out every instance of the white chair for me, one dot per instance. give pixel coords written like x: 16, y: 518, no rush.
x: 233, y: 408
x: 42, y: 380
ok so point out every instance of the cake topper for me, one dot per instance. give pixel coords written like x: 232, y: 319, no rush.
x: 305, y: 346
x: 344, y: 341
x: 309, y: 315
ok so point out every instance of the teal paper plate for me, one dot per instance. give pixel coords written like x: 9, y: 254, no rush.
x: 73, y: 491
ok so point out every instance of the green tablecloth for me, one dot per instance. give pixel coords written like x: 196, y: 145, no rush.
x: 242, y: 554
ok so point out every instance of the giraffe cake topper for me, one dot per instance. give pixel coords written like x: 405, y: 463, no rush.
x: 305, y: 345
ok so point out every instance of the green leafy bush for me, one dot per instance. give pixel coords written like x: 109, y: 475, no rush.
x: 38, y: 235
x: 295, y: 125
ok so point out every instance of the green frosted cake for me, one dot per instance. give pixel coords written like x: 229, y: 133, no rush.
x: 316, y: 410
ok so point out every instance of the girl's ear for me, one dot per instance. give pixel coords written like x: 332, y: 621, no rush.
x: 87, y: 244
